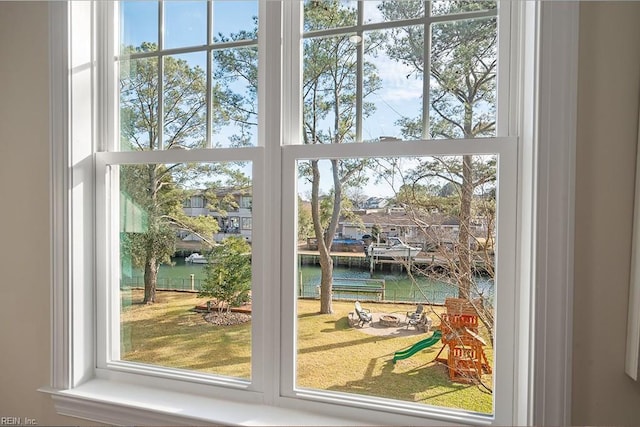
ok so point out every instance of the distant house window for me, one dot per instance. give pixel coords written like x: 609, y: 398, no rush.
x: 245, y: 202
x: 197, y: 202
x: 246, y: 223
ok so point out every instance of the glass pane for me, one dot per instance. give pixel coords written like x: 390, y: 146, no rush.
x: 387, y: 11
x: 448, y: 7
x: 185, y: 101
x: 328, y: 14
x: 235, y: 20
x: 139, y: 105
x: 463, y: 79
x: 396, y: 294
x: 329, y: 89
x: 138, y: 26
x: 185, y: 23
x: 394, y: 109
x: 185, y: 273
x: 235, y: 97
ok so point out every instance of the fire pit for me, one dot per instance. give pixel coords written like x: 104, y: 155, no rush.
x: 389, y: 320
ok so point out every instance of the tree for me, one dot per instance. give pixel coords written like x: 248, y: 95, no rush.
x: 329, y: 92
x: 158, y: 190
x: 237, y: 67
x: 462, y: 95
x: 228, y: 273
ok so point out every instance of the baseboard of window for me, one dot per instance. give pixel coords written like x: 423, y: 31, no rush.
x: 116, y: 403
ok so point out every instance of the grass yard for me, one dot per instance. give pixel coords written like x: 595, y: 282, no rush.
x: 332, y: 355
x: 169, y: 333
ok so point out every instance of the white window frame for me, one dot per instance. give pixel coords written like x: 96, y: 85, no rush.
x: 545, y: 122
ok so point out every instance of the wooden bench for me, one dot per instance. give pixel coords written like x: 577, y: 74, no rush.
x: 378, y: 291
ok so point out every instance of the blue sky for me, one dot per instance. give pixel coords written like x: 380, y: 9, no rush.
x: 185, y: 25
x: 185, y: 21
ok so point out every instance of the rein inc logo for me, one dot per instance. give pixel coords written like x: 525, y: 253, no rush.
x: 18, y: 421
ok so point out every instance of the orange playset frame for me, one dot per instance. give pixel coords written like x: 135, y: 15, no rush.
x: 466, y: 360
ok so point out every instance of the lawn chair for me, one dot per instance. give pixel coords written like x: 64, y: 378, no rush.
x: 363, y: 314
x: 425, y: 323
x: 413, y: 318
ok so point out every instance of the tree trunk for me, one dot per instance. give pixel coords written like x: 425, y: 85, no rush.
x: 326, y: 282
x: 151, y: 261
x: 150, y: 280
x: 326, y: 263
x: 464, y: 236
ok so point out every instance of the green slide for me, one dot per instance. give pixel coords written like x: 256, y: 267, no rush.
x: 420, y: 345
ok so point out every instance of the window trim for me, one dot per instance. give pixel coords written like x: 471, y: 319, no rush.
x: 549, y: 78
x: 506, y: 375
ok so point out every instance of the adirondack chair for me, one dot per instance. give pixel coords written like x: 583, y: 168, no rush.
x: 364, y: 315
x: 413, y: 318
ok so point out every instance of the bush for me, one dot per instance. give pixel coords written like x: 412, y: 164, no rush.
x: 228, y: 273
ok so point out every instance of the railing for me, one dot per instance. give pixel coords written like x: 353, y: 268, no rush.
x: 343, y: 289
x: 164, y: 283
x: 360, y: 289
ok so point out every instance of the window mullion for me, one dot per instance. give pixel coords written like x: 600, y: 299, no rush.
x: 292, y: 73
x: 160, y: 112
x: 360, y: 73
x: 426, y: 73
x: 209, y: 70
x: 271, y: 49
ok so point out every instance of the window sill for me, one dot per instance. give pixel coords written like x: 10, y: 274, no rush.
x: 117, y: 403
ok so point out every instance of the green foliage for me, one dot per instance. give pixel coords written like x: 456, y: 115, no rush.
x: 463, y: 65
x: 228, y: 274
x: 235, y: 68
x: 305, y: 222
x: 184, y: 103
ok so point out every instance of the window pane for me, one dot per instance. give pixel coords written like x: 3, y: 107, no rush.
x: 185, y: 101
x: 235, y: 97
x: 328, y: 14
x: 185, y: 277
x: 463, y: 79
x: 185, y: 23
x: 388, y: 11
x: 394, y: 108
x: 329, y: 90
x: 139, y: 104
x: 447, y: 7
x: 423, y: 337
x: 381, y: 95
x: 235, y: 20
x: 138, y: 26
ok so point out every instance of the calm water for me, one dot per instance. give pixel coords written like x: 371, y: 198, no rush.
x: 398, y: 286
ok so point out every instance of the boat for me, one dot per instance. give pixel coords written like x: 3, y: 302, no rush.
x: 393, y: 248
x: 196, y: 258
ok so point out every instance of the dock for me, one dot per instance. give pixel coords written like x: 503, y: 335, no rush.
x: 431, y: 261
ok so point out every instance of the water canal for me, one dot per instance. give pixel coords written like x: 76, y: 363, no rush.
x: 398, y: 287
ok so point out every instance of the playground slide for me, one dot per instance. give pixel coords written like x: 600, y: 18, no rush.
x: 420, y: 345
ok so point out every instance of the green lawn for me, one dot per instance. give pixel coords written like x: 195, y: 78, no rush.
x: 332, y: 355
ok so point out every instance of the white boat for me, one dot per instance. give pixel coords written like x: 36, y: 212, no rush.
x: 196, y: 258
x: 393, y: 248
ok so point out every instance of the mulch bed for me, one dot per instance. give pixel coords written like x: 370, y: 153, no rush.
x: 227, y: 319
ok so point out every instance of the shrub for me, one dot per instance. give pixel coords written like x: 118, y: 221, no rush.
x: 228, y: 273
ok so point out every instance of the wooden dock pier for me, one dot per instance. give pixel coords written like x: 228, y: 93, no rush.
x: 359, y: 259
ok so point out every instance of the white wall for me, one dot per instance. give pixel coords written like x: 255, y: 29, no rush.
x: 24, y: 217
x: 609, y: 85
x: 609, y: 91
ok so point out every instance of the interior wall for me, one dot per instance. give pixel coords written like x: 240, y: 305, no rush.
x: 24, y: 216
x: 607, y: 135
x: 609, y: 91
